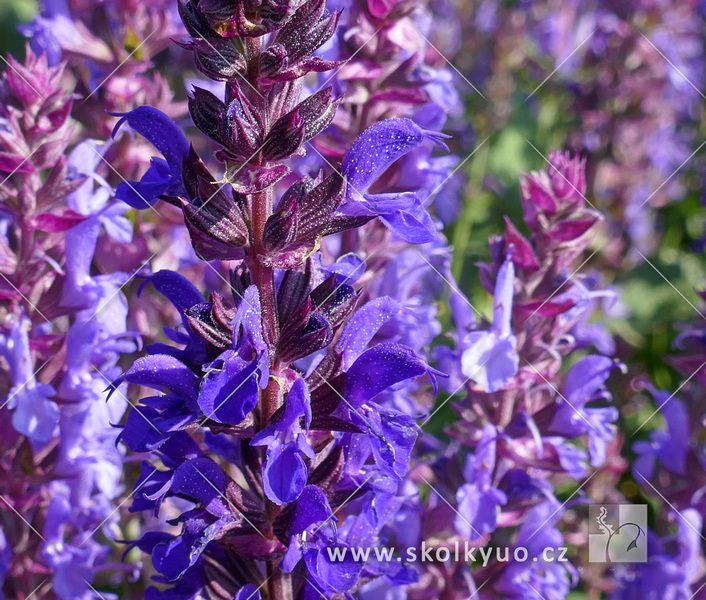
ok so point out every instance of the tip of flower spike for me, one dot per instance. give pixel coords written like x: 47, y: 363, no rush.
x: 438, y: 138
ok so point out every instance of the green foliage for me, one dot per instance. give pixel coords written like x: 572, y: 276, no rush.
x: 13, y: 12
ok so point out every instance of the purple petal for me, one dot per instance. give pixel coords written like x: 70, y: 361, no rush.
x: 249, y: 315
x: 176, y: 288
x: 297, y: 404
x: 35, y: 415
x: 477, y: 510
x: 163, y: 176
x: 363, y: 325
x: 72, y: 570
x: 312, y: 508
x: 392, y: 436
x: 202, y: 481
x: 79, y: 249
x: 117, y: 226
x: 147, y: 429
x: 502, y: 298
x: 284, y: 474
x: 291, y: 558
x: 644, y: 464
x: 162, y: 371
x: 600, y: 432
x: 489, y: 360
x: 348, y: 269
x: 160, y: 131
x: 174, y: 557
x: 404, y: 215
x: 586, y: 378
x: 145, y: 193
x: 334, y: 576
x: 229, y: 391
x: 150, y: 489
x: 379, y: 368
x: 673, y: 452
x: 378, y: 147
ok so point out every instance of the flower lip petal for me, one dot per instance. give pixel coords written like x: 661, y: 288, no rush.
x: 378, y: 147
x: 158, y: 371
x: 159, y: 129
x: 381, y: 367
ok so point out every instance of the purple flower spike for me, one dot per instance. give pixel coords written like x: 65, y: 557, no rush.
x: 490, y: 357
x: 261, y: 375
x: 164, y: 176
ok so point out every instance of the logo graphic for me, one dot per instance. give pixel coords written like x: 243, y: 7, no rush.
x: 617, y: 533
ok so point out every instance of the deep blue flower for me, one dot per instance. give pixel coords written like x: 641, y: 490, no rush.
x: 285, y: 473
x: 312, y: 534
x: 165, y: 174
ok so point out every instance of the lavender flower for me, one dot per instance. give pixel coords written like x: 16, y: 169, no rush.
x: 64, y: 330
x: 34, y: 415
x: 490, y: 358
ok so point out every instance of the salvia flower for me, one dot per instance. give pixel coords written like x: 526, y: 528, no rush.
x: 65, y: 327
x: 490, y: 358
x: 277, y: 378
